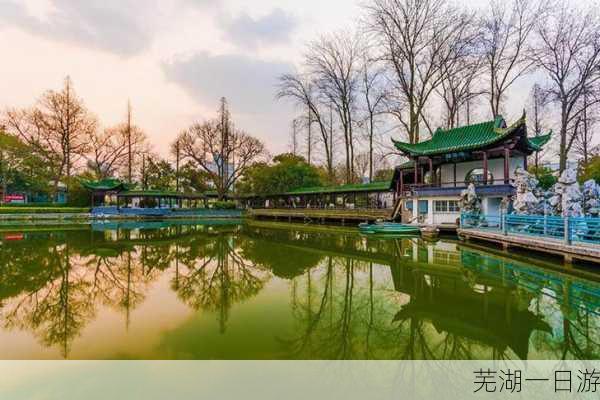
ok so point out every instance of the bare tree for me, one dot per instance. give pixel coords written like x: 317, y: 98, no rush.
x: 56, y: 128
x: 362, y: 164
x: 129, y: 133
x: 294, y: 137
x: 506, y: 32
x: 374, y: 96
x: 568, y: 51
x: 334, y: 62
x: 461, y: 74
x: 113, y: 150
x: 537, y: 111
x: 416, y: 38
x: 203, y: 144
x: 584, y: 143
x: 225, y: 128
x: 298, y: 88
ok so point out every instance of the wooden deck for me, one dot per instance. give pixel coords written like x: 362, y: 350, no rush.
x: 321, y: 215
x: 570, y: 253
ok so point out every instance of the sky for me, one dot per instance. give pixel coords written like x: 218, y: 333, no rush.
x: 175, y: 59
x: 172, y: 59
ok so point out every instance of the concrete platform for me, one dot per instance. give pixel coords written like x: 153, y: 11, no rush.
x: 575, y: 251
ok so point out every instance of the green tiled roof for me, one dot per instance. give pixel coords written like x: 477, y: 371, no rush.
x: 407, y: 165
x: 105, y: 184
x: 365, y: 187
x: 159, y: 193
x: 468, y: 137
x: 538, y: 142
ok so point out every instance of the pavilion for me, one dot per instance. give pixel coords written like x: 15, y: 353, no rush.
x: 114, y: 192
x: 485, y: 154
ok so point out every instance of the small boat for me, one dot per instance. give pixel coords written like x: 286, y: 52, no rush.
x: 389, y: 228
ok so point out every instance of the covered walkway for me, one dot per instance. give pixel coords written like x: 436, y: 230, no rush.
x: 375, y: 195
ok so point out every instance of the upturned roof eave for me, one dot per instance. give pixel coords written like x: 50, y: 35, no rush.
x: 409, y: 149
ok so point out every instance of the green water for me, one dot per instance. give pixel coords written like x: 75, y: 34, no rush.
x: 267, y: 291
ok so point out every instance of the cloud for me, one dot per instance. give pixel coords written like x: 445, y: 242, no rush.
x: 248, y: 83
x: 119, y: 26
x: 273, y: 28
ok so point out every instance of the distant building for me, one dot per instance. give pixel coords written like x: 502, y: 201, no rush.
x: 17, y: 196
x: 555, y: 166
x: 214, y: 168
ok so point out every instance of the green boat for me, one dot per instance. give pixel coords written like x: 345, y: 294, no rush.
x: 389, y: 228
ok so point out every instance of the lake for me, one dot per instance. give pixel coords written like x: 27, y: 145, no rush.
x: 255, y: 290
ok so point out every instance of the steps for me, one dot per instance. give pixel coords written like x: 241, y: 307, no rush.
x: 397, y: 212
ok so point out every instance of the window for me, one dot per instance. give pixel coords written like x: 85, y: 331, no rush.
x: 423, y: 206
x: 408, y: 205
x: 453, y: 206
x: 446, y: 206
x: 476, y: 176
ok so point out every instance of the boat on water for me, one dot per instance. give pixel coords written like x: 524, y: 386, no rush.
x: 389, y: 228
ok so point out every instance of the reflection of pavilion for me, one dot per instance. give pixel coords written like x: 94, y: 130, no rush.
x: 484, y: 313
x: 467, y: 307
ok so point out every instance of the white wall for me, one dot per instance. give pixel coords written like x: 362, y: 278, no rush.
x: 489, y: 205
x: 433, y: 218
x: 495, y: 166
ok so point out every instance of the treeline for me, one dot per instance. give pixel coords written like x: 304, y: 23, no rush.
x: 411, y: 66
x: 56, y: 143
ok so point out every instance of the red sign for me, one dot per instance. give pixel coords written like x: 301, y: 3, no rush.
x: 14, y: 198
x: 14, y: 237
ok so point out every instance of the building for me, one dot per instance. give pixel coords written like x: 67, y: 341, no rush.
x: 374, y: 195
x: 485, y: 154
x: 24, y: 195
x: 113, y: 196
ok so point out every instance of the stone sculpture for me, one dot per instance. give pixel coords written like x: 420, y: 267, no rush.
x: 567, y: 198
x: 528, y: 199
x: 591, y: 198
x: 469, y: 201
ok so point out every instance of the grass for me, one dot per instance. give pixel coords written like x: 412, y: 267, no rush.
x: 33, y: 205
x: 43, y: 210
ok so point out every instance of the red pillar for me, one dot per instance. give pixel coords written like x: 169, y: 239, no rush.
x: 454, y: 174
x: 416, y: 171
x: 401, y: 183
x: 506, y: 166
x: 431, y: 171
x: 485, y: 168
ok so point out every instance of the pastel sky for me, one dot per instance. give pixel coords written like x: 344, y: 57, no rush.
x: 173, y: 59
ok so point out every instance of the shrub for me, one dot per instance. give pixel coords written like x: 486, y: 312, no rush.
x: 224, y: 205
x: 43, y: 210
x: 33, y: 205
x: 544, y: 176
x: 78, y: 196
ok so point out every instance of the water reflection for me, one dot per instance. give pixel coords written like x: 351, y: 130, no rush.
x: 275, y: 291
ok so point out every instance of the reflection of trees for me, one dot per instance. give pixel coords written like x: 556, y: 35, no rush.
x: 351, y: 297
x: 52, y: 284
x: 120, y: 281
x: 341, y: 312
x: 218, y: 278
x: 434, y: 311
x: 576, y: 335
x: 283, y: 260
x: 57, y: 311
x: 569, y: 304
